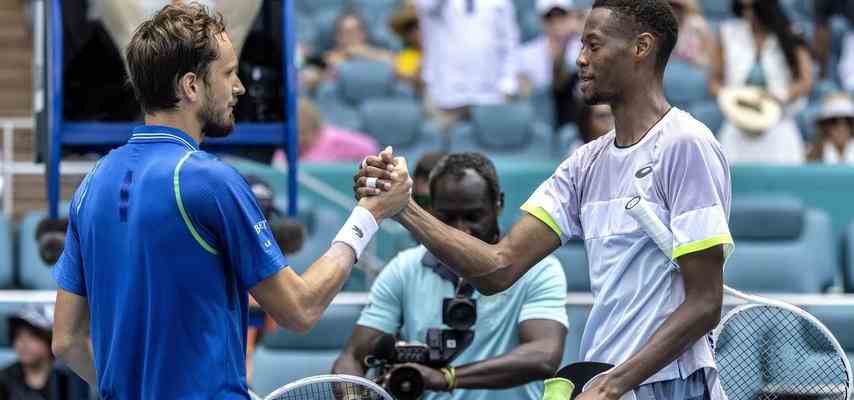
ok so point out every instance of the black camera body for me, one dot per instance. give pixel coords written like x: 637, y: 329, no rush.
x: 441, y: 347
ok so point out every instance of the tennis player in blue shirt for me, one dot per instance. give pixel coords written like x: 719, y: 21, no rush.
x: 165, y: 241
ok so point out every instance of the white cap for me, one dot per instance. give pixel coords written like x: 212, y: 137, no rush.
x: 836, y: 106
x: 544, y: 6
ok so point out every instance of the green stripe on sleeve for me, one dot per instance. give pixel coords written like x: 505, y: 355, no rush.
x: 541, y: 214
x: 176, y: 183
x: 700, y: 245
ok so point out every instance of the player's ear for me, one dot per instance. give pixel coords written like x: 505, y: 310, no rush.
x: 644, y: 45
x: 188, y: 87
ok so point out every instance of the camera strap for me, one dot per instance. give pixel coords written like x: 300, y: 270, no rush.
x: 461, y: 287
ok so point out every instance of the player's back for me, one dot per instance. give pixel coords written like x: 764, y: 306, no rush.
x: 166, y: 312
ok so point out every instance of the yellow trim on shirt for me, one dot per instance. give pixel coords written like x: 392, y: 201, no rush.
x: 700, y: 245
x: 541, y: 214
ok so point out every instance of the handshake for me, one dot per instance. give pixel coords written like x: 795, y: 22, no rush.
x: 382, y: 185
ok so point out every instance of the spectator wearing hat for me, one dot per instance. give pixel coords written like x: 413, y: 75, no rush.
x: 35, y: 376
x: 407, y: 62
x: 759, y: 50
x: 695, y: 37
x: 834, y: 131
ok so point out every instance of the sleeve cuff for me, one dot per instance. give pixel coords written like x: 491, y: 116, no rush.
x: 544, y: 217
x: 704, y: 244
x: 278, y: 264
x: 378, y: 324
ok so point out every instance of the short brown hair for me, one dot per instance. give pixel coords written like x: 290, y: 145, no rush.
x: 177, y: 40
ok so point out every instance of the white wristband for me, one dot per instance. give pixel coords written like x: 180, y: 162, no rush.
x: 358, y: 230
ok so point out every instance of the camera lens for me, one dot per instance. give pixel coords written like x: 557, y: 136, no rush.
x: 405, y: 383
x: 460, y: 313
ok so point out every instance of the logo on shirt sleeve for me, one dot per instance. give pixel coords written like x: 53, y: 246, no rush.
x: 261, y: 227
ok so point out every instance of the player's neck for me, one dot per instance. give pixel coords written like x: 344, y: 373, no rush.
x: 186, y: 122
x: 636, y: 113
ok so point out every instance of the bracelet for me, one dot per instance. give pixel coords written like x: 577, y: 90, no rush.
x: 451, y: 377
x: 358, y: 230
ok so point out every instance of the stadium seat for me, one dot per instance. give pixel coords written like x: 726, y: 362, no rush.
x: 319, y: 6
x: 542, y: 101
x: 684, y: 84
x: 392, y: 122
x: 6, y: 264
x: 709, y: 113
x: 334, y: 110
x: 530, y: 25
x: 32, y: 271
x: 837, y: 318
x: 573, y: 258
x: 359, y: 80
x: 781, y: 246
x: 717, y: 9
x: 503, y: 126
x: 285, y: 357
x: 848, y: 264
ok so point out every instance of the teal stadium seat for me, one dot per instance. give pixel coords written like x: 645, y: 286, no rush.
x: 685, y: 84
x: 33, y: 273
x: 359, y: 80
x: 392, y: 122
x: 848, y: 264
x: 285, y: 357
x: 781, y: 246
x: 838, y: 318
x: 7, y: 269
x: 716, y: 9
x: 334, y: 110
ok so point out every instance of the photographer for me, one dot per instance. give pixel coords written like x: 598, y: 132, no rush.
x: 518, y: 334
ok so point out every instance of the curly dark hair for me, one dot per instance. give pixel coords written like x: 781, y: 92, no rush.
x: 177, y: 40
x: 456, y: 164
x: 773, y: 18
x: 655, y: 16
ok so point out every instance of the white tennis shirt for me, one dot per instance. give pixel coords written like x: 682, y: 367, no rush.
x: 686, y: 181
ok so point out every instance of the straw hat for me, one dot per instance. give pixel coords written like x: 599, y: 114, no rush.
x: 749, y: 108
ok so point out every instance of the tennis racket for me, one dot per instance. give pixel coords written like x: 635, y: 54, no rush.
x: 766, y: 349
x: 330, y: 387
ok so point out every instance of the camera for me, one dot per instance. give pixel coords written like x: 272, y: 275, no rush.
x: 441, y: 347
x: 50, y: 235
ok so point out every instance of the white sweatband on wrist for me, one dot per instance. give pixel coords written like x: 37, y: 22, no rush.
x: 358, y: 230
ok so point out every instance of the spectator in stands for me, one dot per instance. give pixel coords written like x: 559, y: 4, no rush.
x: 470, y: 50
x: 760, y: 49
x: 421, y: 178
x: 835, y: 131
x: 550, y: 58
x: 121, y: 17
x: 824, y: 10
x: 323, y: 142
x: 593, y: 122
x: 695, y: 37
x: 351, y: 41
x: 406, y: 300
x: 407, y: 63
x: 35, y: 376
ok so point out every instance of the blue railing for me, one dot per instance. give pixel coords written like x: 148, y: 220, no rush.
x: 62, y: 133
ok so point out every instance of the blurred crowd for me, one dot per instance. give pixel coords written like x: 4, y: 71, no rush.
x: 773, y: 76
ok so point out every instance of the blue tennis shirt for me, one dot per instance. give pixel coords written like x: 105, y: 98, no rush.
x: 164, y: 241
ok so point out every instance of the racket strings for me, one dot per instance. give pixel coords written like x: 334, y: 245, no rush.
x: 768, y: 352
x: 330, y: 391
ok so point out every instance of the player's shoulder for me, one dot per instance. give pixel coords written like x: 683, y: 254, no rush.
x: 582, y: 157
x: 206, y: 168
x: 683, y: 130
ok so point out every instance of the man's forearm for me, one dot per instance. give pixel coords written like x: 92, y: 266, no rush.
x: 477, y: 262
x: 522, y: 365
x: 348, y: 364
x: 686, y: 325
x: 77, y: 355
x: 325, y: 277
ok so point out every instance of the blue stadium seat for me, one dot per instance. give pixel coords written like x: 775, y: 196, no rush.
x: 318, y: 6
x: 543, y: 103
x: 334, y: 110
x: 503, y: 126
x: 781, y: 246
x: 717, y: 9
x: 285, y: 357
x: 530, y: 25
x: 393, y: 122
x: 6, y: 264
x: 33, y: 273
x: 573, y: 258
x: 708, y: 113
x: 838, y: 318
x: 359, y: 80
x: 684, y: 84
x: 848, y: 264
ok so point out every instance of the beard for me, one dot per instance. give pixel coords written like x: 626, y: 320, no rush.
x: 215, y: 124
